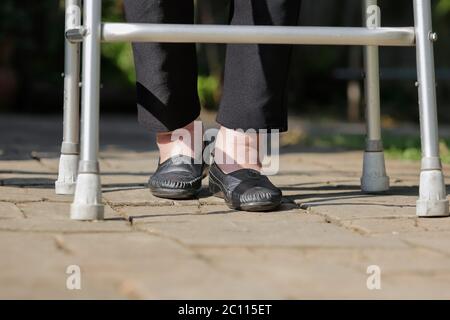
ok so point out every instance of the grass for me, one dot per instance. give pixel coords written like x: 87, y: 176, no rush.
x: 396, y: 146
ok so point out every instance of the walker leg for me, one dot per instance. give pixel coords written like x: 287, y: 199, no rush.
x: 87, y: 204
x: 433, y: 196
x: 374, y: 178
x: 68, y: 162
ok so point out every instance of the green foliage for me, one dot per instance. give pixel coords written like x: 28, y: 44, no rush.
x: 121, y: 56
x: 208, y: 91
x: 409, y: 148
x: 443, y: 7
x: 402, y: 147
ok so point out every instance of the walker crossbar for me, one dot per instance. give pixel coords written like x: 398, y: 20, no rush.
x: 87, y: 204
x: 135, y: 32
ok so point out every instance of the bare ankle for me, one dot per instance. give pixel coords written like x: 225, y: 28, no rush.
x: 235, y: 150
x: 180, y: 142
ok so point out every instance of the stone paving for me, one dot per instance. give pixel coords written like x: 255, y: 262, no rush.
x: 318, y: 245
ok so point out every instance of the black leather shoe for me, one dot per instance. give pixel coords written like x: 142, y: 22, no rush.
x: 245, y: 189
x: 177, y: 178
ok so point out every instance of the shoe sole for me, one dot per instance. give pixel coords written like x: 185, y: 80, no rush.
x: 216, y: 191
x: 175, y: 194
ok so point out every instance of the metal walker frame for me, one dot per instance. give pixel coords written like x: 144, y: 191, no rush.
x: 79, y: 172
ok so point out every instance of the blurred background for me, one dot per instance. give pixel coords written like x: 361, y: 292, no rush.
x: 325, y: 81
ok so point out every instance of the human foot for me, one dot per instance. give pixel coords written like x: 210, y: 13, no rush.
x: 244, y: 189
x: 179, y: 175
x: 235, y: 174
